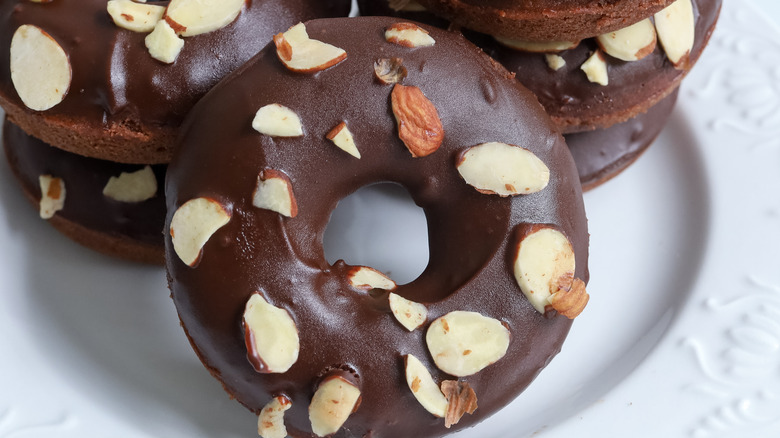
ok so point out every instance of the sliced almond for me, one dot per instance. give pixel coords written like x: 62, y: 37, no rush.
x: 277, y: 121
x: 408, y: 35
x: 419, y: 126
x: 195, y: 17
x: 192, y: 226
x: 411, y: 315
x: 570, y: 302
x: 423, y: 387
x: 544, y: 268
x: 596, y: 68
x: 163, y: 43
x: 333, y: 402
x: 138, y: 17
x: 537, y: 47
x: 464, y: 343
x: 270, y: 422
x: 390, y: 70
x: 342, y: 138
x: 363, y: 277
x: 40, y: 69
x: 135, y: 186
x: 677, y: 30
x: 302, y: 54
x: 555, y: 62
x: 52, y: 196
x: 503, y: 169
x: 270, y: 335
x: 461, y: 399
x: 631, y: 43
x: 274, y: 192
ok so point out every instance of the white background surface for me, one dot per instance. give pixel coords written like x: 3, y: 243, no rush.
x: 681, y: 339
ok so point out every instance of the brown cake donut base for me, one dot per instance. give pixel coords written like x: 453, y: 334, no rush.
x: 120, y: 141
x: 551, y: 20
x: 120, y: 247
x: 574, y: 103
x: 603, y: 154
x: 123, y: 230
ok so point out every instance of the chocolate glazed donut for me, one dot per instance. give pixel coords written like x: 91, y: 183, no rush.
x: 576, y: 104
x: 129, y: 230
x: 123, y: 105
x: 345, y: 333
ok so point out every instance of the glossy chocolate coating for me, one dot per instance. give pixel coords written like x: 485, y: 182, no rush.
x: 577, y: 104
x: 471, y: 235
x: 84, y: 180
x: 116, y: 83
x: 603, y: 153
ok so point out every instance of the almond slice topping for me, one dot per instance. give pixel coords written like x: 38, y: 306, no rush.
x: 302, y: 54
x: 408, y: 35
x: 52, y: 196
x: 423, y: 387
x: 40, y: 69
x: 544, y: 269
x: 192, y: 226
x: 631, y: 43
x: 195, y: 17
x: 270, y: 335
x: 274, y: 192
x: 419, y: 126
x: 270, y: 422
x: 464, y: 343
x: 503, y: 169
x: 676, y: 28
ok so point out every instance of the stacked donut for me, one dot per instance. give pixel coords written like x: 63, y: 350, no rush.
x: 95, y: 92
x: 606, y: 72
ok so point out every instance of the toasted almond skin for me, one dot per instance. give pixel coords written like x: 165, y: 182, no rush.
x: 570, y: 303
x: 419, y: 126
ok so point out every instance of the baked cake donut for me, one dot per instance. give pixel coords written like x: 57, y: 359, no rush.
x: 116, y: 209
x: 602, y: 154
x: 114, y: 79
x: 335, y: 350
x: 590, y: 84
x: 597, y: 83
x: 544, y: 20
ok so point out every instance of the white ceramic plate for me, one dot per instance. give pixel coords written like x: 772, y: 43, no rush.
x: 681, y: 338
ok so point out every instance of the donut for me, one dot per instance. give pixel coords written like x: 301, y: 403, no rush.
x: 96, y: 206
x: 607, y: 90
x: 602, y: 154
x: 406, y: 9
x: 103, y: 93
x: 321, y: 349
x: 544, y: 20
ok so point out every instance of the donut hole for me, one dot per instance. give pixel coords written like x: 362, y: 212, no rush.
x: 379, y: 226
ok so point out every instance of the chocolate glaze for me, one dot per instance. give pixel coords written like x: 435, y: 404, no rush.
x: 576, y: 104
x: 471, y: 235
x: 603, y: 153
x: 84, y: 180
x: 116, y: 81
